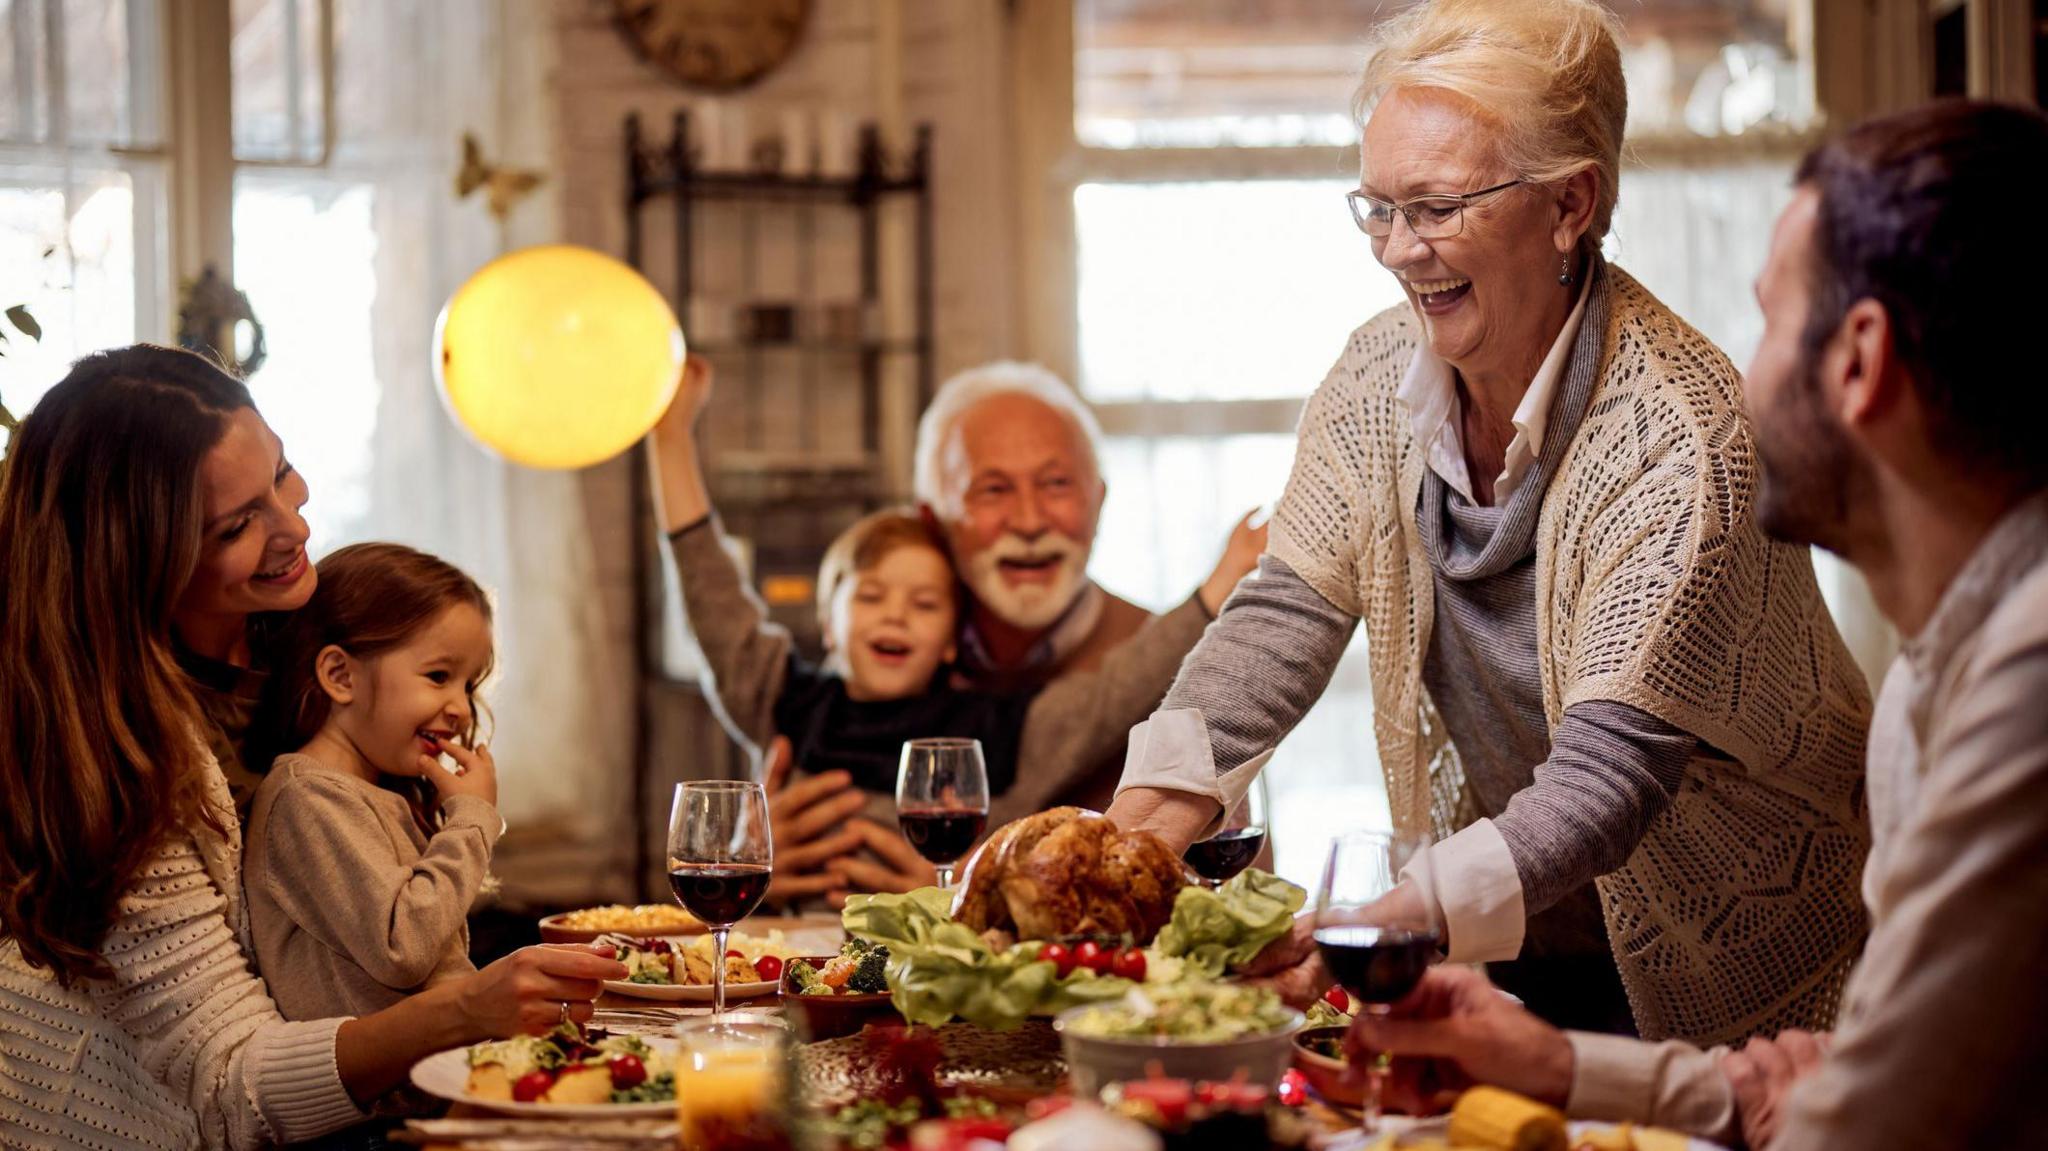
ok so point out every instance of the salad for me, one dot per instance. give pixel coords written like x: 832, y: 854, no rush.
x: 659, y: 961
x: 940, y: 969
x: 1193, y: 1012
x: 859, y: 969
x: 569, y: 1066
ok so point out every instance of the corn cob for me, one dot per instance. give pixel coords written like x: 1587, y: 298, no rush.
x: 1503, y: 1121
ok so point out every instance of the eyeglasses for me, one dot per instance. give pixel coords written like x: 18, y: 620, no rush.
x: 1429, y: 217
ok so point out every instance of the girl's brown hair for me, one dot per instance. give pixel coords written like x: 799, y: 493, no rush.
x: 101, y: 740
x: 369, y: 599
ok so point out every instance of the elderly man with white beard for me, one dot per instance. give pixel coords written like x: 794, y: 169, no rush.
x: 1007, y: 470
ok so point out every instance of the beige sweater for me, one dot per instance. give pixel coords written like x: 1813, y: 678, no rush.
x: 1738, y: 911
x: 1941, y: 1043
x: 182, y: 1047
x: 352, y: 906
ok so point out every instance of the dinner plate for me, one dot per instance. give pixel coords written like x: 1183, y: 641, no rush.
x: 690, y: 992
x: 446, y: 1074
x: 1405, y: 1128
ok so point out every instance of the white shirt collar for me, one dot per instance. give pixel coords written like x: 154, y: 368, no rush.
x: 1430, y: 390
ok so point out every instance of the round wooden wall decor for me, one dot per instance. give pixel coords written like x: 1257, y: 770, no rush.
x: 720, y: 45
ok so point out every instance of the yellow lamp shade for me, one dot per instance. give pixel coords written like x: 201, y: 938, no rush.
x: 557, y: 356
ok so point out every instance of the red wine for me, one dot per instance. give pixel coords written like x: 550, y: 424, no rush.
x: 1222, y: 856
x: 942, y: 834
x: 720, y: 894
x: 1377, y: 964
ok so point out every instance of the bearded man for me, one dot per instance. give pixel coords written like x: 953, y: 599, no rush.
x: 1008, y: 471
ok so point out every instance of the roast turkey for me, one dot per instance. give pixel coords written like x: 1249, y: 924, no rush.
x: 1070, y: 872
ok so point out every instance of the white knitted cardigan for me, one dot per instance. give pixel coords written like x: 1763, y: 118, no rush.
x: 1738, y: 912
x: 183, y: 1047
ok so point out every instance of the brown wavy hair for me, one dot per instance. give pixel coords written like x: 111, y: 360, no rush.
x: 369, y: 599
x: 101, y: 739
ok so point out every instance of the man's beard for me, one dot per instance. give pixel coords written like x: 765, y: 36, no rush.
x: 1807, y: 468
x: 1031, y: 606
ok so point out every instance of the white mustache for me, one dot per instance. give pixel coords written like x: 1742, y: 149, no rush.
x: 1015, y: 547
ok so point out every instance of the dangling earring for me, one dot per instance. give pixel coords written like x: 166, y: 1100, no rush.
x: 1564, y: 272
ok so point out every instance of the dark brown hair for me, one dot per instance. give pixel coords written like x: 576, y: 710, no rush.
x: 1924, y: 211
x: 369, y: 599
x: 101, y: 743
x: 867, y: 543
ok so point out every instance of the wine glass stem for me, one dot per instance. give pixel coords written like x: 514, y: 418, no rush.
x: 718, y: 935
x: 945, y: 874
x: 1375, y: 1074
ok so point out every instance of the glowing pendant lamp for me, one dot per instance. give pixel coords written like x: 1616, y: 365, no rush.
x: 557, y: 356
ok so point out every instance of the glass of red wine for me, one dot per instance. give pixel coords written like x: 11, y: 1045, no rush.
x: 720, y: 853
x: 1376, y: 926
x: 942, y: 800
x: 1219, y: 858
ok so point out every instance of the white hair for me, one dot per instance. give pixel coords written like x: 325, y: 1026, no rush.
x: 958, y: 395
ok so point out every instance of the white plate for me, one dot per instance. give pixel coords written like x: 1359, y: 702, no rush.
x: 1405, y: 1128
x: 689, y: 992
x: 446, y: 1074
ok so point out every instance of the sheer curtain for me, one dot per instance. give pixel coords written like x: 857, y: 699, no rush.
x: 349, y: 264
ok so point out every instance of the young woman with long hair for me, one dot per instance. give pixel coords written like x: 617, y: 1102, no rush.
x: 144, y: 506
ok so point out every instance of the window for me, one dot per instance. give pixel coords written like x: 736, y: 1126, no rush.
x: 1216, y: 272
x: 82, y: 175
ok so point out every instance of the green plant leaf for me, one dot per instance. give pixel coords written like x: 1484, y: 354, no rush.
x: 19, y: 317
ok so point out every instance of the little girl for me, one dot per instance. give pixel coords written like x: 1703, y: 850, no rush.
x: 364, y: 852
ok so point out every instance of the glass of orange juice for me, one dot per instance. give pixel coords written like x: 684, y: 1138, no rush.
x: 732, y: 1084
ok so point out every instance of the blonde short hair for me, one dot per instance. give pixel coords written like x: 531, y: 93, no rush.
x: 1547, y: 72
x: 966, y: 389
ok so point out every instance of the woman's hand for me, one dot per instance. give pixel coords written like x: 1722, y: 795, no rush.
x: 1240, y: 555
x: 1177, y: 817
x: 525, y: 992
x: 476, y: 773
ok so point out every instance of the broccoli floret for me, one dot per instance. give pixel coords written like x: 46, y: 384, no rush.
x: 806, y: 978
x: 871, y: 977
x: 856, y: 948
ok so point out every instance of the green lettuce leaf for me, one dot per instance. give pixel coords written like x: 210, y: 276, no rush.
x: 1216, y: 931
x: 940, y: 970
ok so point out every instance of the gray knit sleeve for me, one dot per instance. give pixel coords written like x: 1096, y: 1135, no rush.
x: 1611, y: 769
x: 1263, y: 662
x: 748, y: 656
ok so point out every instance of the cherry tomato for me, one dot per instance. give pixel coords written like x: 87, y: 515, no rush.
x: 1337, y: 998
x: 734, y: 955
x: 533, y: 1085
x: 1092, y: 956
x: 627, y: 1071
x: 1293, y: 1088
x: 1059, y: 954
x: 1130, y: 964
x: 768, y: 968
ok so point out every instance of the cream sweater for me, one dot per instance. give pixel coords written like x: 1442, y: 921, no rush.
x: 1738, y: 911
x: 183, y: 1047
x: 351, y: 906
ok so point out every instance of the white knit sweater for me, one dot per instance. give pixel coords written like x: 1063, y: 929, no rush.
x: 183, y: 1047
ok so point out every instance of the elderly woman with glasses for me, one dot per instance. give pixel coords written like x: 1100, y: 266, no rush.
x: 1629, y: 712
